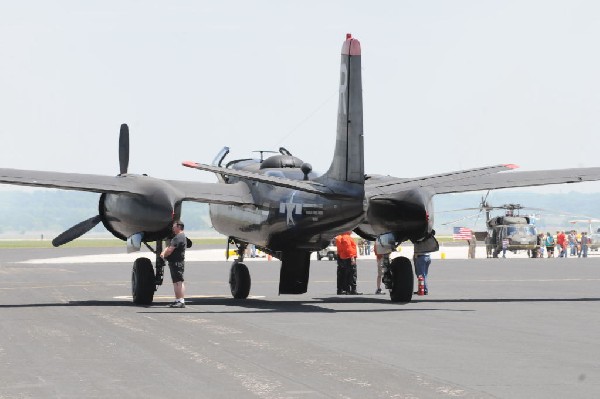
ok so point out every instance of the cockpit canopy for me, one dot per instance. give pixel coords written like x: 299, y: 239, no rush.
x: 281, y: 161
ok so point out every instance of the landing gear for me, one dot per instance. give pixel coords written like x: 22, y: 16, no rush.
x: 398, y: 278
x: 239, y: 280
x: 142, y: 282
x: 239, y: 276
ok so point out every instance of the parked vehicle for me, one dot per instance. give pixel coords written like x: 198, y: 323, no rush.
x: 330, y: 252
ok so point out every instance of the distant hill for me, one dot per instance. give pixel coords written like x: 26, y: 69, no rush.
x: 53, y: 211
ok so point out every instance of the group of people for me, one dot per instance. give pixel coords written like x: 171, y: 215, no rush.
x: 347, y: 271
x: 347, y: 250
x: 564, y: 244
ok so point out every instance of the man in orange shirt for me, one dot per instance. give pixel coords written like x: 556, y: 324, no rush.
x: 346, y: 270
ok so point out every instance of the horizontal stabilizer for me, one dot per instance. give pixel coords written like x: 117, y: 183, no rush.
x: 300, y: 185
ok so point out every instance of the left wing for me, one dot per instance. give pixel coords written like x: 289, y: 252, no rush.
x: 215, y: 193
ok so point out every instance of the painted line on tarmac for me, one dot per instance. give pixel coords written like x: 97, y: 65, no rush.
x: 189, y: 296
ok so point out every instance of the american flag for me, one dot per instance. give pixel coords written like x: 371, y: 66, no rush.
x: 462, y: 233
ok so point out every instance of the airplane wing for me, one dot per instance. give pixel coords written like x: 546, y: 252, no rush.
x: 377, y: 184
x: 218, y: 193
x: 307, y: 186
x: 520, y: 179
x: 484, y: 179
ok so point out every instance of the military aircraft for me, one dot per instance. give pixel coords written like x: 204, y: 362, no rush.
x: 281, y: 205
x: 519, y: 230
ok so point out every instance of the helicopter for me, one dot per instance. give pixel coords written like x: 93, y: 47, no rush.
x: 519, y: 230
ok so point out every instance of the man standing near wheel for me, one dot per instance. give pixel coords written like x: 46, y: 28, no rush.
x: 175, y: 255
x: 422, y: 260
x: 346, y: 271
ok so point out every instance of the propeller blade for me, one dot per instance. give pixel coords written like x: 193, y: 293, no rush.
x: 76, y: 231
x: 124, y: 149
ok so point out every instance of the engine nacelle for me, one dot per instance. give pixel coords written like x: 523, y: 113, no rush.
x: 152, y: 212
x: 408, y: 215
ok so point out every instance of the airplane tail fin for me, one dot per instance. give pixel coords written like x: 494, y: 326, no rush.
x: 348, y: 159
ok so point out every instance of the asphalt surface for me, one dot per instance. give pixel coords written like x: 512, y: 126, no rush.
x: 490, y: 328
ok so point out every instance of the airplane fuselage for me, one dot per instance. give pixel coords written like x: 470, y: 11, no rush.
x: 287, y: 218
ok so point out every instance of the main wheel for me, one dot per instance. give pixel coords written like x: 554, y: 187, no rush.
x: 319, y: 255
x: 239, y: 280
x: 330, y: 256
x: 142, y: 282
x: 402, y: 280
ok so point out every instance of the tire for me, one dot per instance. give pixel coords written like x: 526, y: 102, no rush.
x: 142, y: 282
x: 402, y: 280
x: 330, y: 256
x: 319, y: 257
x: 239, y: 280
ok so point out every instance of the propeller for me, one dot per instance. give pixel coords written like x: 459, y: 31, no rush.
x: 76, y: 231
x: 83, y: 227
x: 124, y: 149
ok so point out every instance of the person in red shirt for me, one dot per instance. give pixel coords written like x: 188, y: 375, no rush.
x: 346, y: 270
x: 561, y: 240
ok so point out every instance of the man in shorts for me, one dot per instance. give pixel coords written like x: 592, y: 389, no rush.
x: 175, y: 255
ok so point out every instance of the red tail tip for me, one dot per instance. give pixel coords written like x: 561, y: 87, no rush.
x: 189, y: 164
x: 511, y: 166
x: 348, y: 36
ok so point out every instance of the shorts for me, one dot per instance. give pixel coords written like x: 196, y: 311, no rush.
x: 176, y: 269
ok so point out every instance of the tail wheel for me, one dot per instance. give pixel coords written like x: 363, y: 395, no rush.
x: 142, y: 282
x: 402, y: 280
x: 239, y: 280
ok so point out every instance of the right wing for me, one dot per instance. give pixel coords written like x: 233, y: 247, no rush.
x: 519, y: 179
x: 381, y: 185
x: 478, y: 179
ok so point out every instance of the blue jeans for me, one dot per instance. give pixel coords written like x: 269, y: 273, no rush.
x: 422, y: 263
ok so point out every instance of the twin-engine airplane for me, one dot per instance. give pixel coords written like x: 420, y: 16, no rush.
x: 280, y: 205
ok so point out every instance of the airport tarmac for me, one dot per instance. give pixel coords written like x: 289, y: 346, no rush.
x: 490, y: 328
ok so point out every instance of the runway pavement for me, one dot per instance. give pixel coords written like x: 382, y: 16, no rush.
x: 490, y: 328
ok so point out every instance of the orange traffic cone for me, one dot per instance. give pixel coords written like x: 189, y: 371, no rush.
x: 421, y: 290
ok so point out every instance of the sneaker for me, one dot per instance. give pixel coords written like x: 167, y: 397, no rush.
x: 378, y: 292
x: 354, y: 292
x: 177, y: 304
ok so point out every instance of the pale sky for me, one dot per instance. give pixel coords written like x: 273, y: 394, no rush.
x: 446, y: 84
